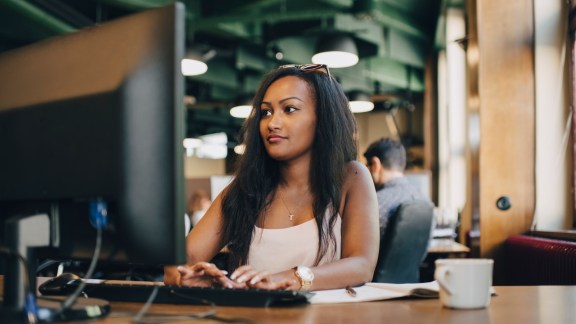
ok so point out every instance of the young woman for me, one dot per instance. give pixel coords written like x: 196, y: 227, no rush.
x: 301, y: 213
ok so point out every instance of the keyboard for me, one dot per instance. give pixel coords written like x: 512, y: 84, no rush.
x: 135, y: 291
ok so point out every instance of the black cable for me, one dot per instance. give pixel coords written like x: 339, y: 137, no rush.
x: 144, y: 309
x: 45, y: 265
x: 142, y: 318
x: 74, y: 296
x: 98, y: 218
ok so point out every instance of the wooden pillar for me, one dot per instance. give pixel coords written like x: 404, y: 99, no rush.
x: 572, y: 63
x: 430, y: 122
x: 506, y: 89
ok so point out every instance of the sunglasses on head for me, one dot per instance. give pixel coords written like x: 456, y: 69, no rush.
x: 323, y: 68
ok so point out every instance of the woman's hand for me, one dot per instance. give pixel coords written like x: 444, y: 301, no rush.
x: 204, y: 274
x: 251, y: 278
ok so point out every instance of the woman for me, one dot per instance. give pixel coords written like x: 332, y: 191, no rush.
x: 198, y: 204
x: 301, y: 213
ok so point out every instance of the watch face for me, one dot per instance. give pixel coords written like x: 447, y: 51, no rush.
x: 305, y: 273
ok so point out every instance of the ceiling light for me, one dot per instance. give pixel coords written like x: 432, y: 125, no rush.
x: 277, y: 52
x: 360, y: 102
x: 241, y: 111
x: 242, y: 107
x: 192, y: 142
x: 211, y: 146
x: 239, y: 149
x: 212, y: 151
x: 193, y: 67
x: 215, y: 138
x: 336, y: 50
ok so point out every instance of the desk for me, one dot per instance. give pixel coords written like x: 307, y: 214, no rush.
x: 446, y: 246
x: 518, y: 304
x: 440, y: 248
x: 513, y: 304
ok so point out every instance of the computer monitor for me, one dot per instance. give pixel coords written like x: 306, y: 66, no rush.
x: 95, y: 115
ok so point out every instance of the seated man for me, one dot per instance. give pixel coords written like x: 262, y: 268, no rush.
x: 386, y: 160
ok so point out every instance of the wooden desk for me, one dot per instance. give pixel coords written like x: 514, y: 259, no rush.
x: 513, y: 304
x: 519, y: 304
x: 440, y: 248
x: 446, y: 246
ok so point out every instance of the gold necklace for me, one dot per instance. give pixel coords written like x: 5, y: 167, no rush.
x: 290, y: 214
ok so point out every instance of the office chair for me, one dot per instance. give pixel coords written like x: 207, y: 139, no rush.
x: 404, y: 243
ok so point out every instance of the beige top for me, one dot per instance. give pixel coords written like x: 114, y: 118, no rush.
x: 276, y: 250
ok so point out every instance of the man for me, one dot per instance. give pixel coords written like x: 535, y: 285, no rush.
x: 386, y: 160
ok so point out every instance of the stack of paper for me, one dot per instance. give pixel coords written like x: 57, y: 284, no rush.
x: 376, y: 291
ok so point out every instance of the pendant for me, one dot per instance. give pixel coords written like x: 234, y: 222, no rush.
x: 291, y: 217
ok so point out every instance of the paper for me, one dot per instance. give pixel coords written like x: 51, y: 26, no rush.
x: 376, y: 291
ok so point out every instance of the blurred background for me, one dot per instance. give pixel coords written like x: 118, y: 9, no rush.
x: 478, y: 91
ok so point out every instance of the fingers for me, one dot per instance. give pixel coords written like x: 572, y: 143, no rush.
x: 240, y: 271
x: 260, y: 279
x: 287, y: 284
x: 247, y: 276
x: 263, y: 276
x: 207, y: 274
x: 226, y: 282
x: 201, y: 269
x: 201, y: 274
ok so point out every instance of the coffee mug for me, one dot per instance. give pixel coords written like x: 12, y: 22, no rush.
x: 464, y: 283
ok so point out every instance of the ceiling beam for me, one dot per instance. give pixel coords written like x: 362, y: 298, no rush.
x: 381, y: 14
x: 395, y: 19
x: 138, y: 4
x: 38, y: 16
x: 215, y: 22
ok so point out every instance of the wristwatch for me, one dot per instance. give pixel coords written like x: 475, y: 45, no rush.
x: 305, y: 276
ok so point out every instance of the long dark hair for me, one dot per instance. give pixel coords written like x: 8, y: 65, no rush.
x: 258, y: 176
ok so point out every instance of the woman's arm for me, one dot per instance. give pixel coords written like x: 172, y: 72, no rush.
x: 202, y: 243
x: 360, y: 234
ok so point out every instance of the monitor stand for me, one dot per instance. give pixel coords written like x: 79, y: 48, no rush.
x: 19, y: 302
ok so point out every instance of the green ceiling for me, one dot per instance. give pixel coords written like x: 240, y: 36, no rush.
x: 393, y: 36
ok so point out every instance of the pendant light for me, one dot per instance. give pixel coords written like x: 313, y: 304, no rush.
x: 360, y: 101
x: 242, y: 107
x: 192, y: 67
x: 336, y: 50
x: 194, y: 63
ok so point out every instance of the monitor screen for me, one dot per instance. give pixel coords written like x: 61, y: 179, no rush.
x: 98, y: 115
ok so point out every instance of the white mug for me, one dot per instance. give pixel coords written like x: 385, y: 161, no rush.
x: 464, y: 283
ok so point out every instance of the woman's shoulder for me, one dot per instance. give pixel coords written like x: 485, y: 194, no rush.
x: 355, y: 167
x: 358, y: 192
x: 356, y: 171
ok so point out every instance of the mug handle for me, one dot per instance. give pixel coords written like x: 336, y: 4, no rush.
x: 440, y: 275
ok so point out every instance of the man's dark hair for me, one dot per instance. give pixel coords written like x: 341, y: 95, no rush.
x: 391, y: 153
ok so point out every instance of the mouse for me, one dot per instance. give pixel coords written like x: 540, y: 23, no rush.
x: 60, y: 285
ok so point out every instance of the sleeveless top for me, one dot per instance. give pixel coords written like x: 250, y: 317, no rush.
x: 280, y: 249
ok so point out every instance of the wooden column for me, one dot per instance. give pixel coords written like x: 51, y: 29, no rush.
x: 505, y: 40
x: 572, y: 51
x: 430, y: 122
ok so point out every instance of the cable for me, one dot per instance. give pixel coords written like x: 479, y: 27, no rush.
x: 45, y: 265
x: 98, y: 218
x: 147, y: 305
x: 74, y: 296
x: 142, y: 318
